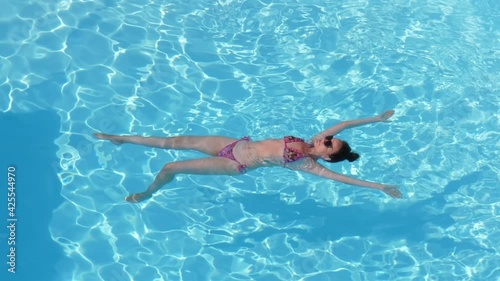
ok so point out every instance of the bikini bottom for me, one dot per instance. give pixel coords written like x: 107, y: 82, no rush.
x: 227, y: 152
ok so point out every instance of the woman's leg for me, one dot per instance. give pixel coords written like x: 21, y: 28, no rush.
x: 210, y: 145
x: 205, y: 166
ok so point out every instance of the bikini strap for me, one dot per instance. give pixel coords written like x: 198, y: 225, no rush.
x: 289, y: 139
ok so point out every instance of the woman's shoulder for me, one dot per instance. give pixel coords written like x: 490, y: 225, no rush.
x: 319, y: 136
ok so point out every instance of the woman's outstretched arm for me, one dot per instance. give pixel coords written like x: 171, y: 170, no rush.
x: 354, y: 123
x: 319, y: 170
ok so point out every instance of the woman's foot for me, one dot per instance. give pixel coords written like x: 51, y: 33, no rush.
x: 111, y: 138
x: 138, y: 197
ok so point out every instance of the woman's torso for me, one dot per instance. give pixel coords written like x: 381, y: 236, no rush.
x: 270, y: 152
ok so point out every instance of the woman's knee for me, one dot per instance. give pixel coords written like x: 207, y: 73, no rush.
x: 168, y: 168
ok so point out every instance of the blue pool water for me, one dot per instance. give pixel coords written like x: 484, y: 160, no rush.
x: 266, y: 69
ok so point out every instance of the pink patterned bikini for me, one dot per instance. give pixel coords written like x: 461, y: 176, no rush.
x: 227, y: 152
x: 290, y: 154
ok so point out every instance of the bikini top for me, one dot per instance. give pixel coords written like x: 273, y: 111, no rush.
x: 291, y: 154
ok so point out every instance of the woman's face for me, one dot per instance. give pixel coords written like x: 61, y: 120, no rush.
x: 327, y: 146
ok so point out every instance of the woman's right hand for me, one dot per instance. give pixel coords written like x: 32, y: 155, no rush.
x: 386, y: 115
x: 137, y: 197
x: 392, y: 191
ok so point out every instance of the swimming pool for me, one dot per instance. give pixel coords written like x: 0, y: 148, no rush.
x: 265, y: 69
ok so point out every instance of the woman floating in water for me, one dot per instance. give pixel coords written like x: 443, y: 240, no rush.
x: 230, y: 156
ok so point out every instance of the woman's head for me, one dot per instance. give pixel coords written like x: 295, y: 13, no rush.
x: 341, y: 150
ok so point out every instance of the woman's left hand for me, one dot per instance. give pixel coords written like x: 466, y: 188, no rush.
x: 386, y: 115
x: 392, y: 191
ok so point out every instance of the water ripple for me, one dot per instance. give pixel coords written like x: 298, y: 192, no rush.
x: 267, y: 69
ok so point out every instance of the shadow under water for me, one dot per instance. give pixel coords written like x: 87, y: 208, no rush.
x: 409, y: 222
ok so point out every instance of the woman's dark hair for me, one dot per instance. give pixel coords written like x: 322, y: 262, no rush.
x: 344, y: 153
